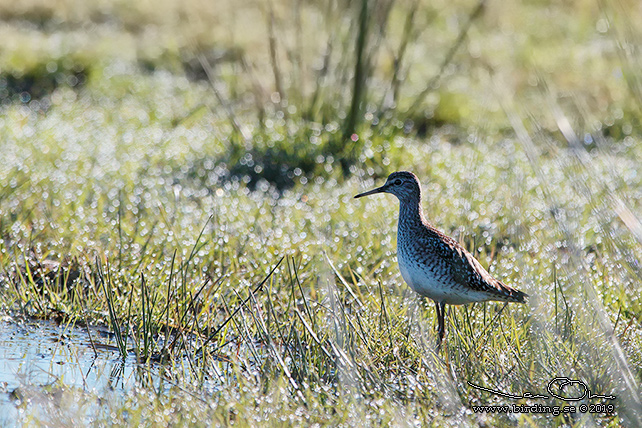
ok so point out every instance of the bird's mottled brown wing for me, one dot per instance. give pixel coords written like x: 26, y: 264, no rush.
x: 468, y: 272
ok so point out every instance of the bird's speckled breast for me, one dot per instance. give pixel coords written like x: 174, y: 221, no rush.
x: 427, y: 274
x: 421, y: 280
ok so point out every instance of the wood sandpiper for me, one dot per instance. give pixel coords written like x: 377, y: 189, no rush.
x: 433, y: 264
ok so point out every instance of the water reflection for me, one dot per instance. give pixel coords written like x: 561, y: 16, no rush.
x: 39, y: 359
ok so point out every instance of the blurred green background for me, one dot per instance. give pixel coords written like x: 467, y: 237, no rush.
x: 160, y: 157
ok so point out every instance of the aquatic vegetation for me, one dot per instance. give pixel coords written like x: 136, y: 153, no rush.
x: 209, y: 225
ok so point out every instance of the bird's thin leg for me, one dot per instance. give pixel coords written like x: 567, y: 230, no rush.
x: 441, y: 328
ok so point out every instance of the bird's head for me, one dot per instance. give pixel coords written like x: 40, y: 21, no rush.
x: 403, y: 184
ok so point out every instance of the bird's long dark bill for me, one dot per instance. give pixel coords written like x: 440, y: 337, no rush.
x: 371, y: 192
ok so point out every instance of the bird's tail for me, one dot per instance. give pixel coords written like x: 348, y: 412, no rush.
x: 511, y: 294
x: 519, y: 296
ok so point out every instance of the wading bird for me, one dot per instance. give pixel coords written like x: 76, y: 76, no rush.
x: 433, y: 264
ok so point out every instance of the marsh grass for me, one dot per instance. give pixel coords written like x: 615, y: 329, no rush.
x: 209, y: 222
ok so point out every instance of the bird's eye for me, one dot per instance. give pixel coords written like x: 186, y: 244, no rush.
x: 397, y: 182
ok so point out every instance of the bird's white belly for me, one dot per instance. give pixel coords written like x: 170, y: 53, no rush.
x: 418, y: 280
x: 428, y: 284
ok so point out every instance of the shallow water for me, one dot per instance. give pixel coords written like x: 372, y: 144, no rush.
x: 44, y: 355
